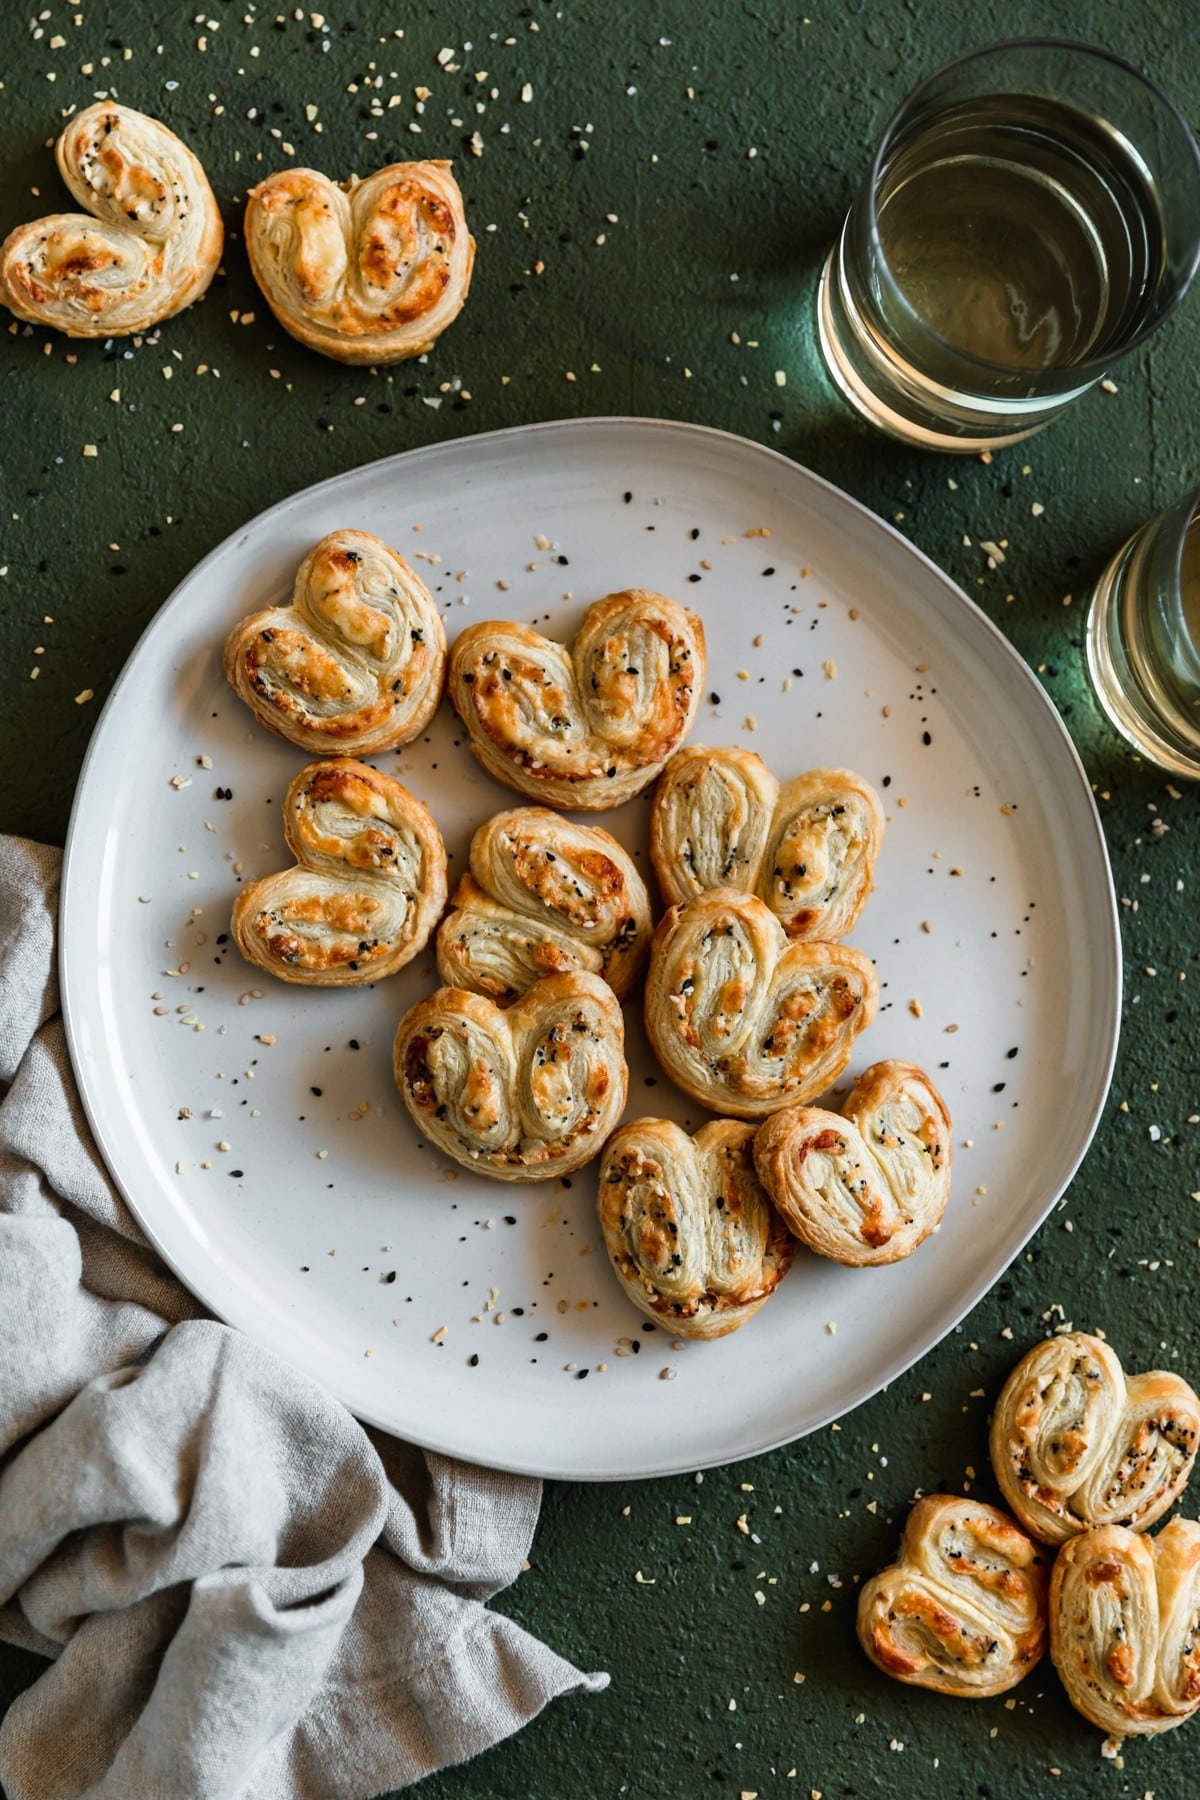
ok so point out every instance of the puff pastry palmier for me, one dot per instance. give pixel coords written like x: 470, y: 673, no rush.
x: 694, y: 1241
x: 523, y: 1095
x: 963, y: 1608
x: 147, y: 244
x: 356, y: 659
x: 868, y: 1184
x: 368, y: 887
x: 369, y: 272
x: 544, y: 896
x: 589, y: 726
x: 1125, y: 1626
x: 807, y: 849
x: 744, y: 1021
x: 1075, y: 1442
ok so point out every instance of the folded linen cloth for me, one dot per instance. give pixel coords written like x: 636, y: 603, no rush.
x: 245, y: 1592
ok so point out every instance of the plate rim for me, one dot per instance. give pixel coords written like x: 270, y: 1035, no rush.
x: 1108, y: 919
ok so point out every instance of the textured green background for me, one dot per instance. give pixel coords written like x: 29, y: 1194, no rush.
x: 97, y: 544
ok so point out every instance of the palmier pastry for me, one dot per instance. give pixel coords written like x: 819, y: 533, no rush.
x: 1075, y: 1442
x: 522, y: 1095
x: 146, y: 246
x: 368, y: 887
x: 543, y: 897
x: 807, y: 849
x: 354, y: 662
x: 1125, y: 1626
x: 963, y: 1609
x: 369, y: 272
x: 694, y: 1241
x: 869, y: 1184
x: 583, y: 728
x: 744, y: 1021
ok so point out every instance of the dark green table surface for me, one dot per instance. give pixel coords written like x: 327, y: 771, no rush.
x: 726, y: 138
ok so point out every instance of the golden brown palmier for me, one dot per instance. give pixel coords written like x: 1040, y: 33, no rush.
x: 521, y: 1095
x: 354, y: 662
x: 1075, y: 1442
x: 693, y: 1239
x: 962, y: 1610
x: 544, y: 896
x: 744, y: 1021
x: 1125, y: 1626
x: 146, y: 246
x: 585, y: 726
x: 368, y: 887
x: 369, y: 272
x: 866, y: 1185
x: 807, y: 849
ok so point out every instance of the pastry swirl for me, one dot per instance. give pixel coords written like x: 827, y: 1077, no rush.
x: 356, y: 659
x: 544, y: 896
x: 369, y: 272
x: 589, y: 726
x: 694, y: 1241
x: 963, y: 1608
x: 368, y: 887
x: 807, y: 849
x: 1076, y: 1443
x: 744, y: 1021
x: 1125, y: 1626
x: 147, y: 244
x: 523, y: 1095
x: 869, y: 1184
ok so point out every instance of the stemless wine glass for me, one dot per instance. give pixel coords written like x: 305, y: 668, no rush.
x: 1032, y: 214
x: 1143, y: 639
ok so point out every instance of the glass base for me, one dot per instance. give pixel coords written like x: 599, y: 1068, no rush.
x: 1117, y: 688
x: 863, y: 380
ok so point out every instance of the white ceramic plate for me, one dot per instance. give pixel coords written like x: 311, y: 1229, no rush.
x: 832, y: 641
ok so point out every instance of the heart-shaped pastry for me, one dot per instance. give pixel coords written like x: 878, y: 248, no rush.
x: 868, y: 1184
x: 589, y: 726
x: 1076, y: 1443
x: 1123, y: 1626
x: 963, y: 1608
x: 355, y: 661
x: 369, y: 272
x: 807, y: 849
x: 744, y: 1021
x: 692, y: 1237
x: 146, y: 246
x: 544, y: 896
x: 523, y: 1095
x: 368, y: 887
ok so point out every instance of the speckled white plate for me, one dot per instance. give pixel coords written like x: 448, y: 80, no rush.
x: 282, y: 1179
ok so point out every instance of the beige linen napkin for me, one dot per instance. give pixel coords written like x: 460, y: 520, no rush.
x: 243, y: 1591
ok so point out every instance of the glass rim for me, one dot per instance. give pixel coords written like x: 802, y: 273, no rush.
x: 1180, y: 518
x: 1090, y: 366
